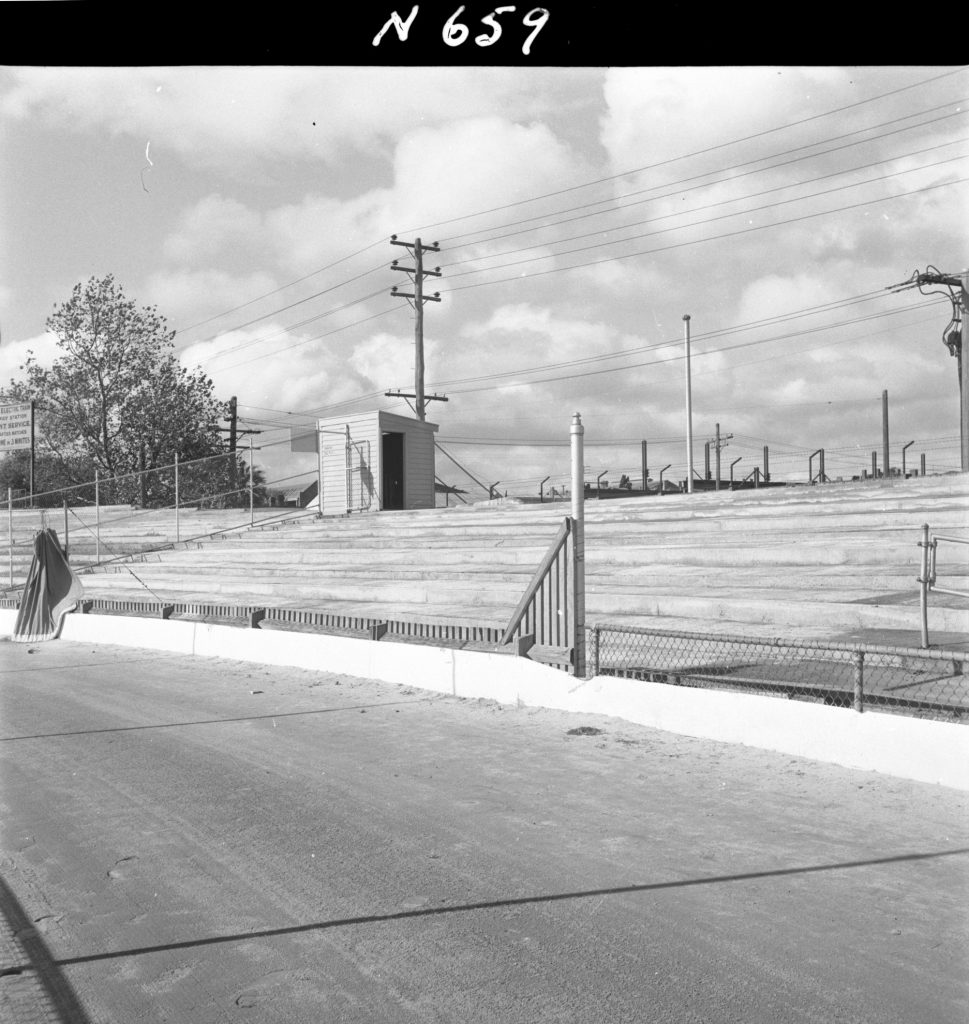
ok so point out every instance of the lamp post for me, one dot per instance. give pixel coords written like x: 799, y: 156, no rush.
x: 689, y: 408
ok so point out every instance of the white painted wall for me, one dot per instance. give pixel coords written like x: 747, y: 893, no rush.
x: 911, y: 748
x: 367, y: 430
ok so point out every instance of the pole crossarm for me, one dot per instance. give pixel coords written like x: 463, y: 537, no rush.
x: 406, y: 394
x: 436, y: 297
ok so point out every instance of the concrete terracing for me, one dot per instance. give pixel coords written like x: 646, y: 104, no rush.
x: 813, y: 562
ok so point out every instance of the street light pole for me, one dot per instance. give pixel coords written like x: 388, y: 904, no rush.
x: 689, y: 408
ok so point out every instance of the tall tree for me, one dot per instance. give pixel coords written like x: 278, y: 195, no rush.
x: 117, y: 399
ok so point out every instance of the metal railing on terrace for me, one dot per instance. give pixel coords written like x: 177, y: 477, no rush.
x: 863, y: 677
x: 110, y: 519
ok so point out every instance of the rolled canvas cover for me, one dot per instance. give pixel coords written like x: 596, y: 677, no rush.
x: 51, y: 591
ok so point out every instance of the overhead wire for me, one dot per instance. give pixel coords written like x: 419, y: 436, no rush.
x: 677, y: 245
x: 725, y: 202
x: 696, y: 153
x: 374, y: 244
x: 727, y: 170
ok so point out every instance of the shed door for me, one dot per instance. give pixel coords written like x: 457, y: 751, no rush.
x: 392, y: 471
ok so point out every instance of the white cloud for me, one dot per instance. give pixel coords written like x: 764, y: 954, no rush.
x: 184, y: 297
x: 211, y: 226
x: 13, y: 354
x: 225, y: 116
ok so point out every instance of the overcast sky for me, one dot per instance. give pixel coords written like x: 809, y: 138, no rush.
x: 580, y: 212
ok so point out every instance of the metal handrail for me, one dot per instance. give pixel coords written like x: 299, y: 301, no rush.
x: 932, y: 560
x: 542, y: 614
x: 927, y: 577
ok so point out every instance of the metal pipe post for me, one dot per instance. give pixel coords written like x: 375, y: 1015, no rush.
x: 732, y: 464
x: 178, y: 535
x: 924, y: 585
x: 97, y: 518
x: 717, y: 485
x: 10, y: 529
x: 67, y: 548
x: 689, y: 408
x: 905, y: 447
x: 859, y: 681
x: 922, y: 464
x: 578, y: 545
x: 874, y: 465
x: 766, y: 464
x: 886, y: 465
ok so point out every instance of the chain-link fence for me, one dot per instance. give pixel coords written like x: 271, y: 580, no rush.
x: 111, y: 518
x: 925, y: 684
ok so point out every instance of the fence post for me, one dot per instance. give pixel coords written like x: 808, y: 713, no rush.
x: 578, y: 545
x: 67, y: 547
x: 924, y: 585
x: 97, y: 518
x: 596, y: 642
x: 178, y: 535
x: 859, y: 680
x: 10, y: 529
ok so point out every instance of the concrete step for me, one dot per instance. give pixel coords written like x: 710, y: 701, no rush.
x: 847, y: 607
x: 516, y: 578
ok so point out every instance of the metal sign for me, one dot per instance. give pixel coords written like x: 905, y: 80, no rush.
x: 16, y: 427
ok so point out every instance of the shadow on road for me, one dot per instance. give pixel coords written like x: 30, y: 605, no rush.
x: 518, y: 901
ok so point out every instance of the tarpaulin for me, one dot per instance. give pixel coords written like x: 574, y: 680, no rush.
x: 52, y: 590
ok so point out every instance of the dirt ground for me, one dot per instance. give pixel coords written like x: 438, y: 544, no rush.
x: 199, y: 841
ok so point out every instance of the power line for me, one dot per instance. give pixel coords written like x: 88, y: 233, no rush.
x: 679, y: 356
x: 680, y: 245
x: 281, y: 288
x: 724, y: 202
x: 695, y: 153
x: 738, y: 167
x: 573, y: 188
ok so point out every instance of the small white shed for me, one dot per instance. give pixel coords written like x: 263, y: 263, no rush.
x: 374, y: 461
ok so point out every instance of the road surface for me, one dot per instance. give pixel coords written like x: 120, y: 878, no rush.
x: 199, y: 841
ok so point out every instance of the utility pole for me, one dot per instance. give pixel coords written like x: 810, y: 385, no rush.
x: 233, y: 440
x: 233, y: 431
x: 417, y: 273
x: 957, y: 289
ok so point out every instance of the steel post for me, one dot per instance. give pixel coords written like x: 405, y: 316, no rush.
x: 886, y: 461
x: 689, y: 409
x: 97, y: 518
x: 578, y: 545
x: 859, y: 681
x: 924, y: 585
x: 905, y: 448
x: 178, y: 535
x: 10, y: 529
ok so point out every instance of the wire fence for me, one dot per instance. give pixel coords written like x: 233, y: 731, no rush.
x: 863, y: 677
x: 112, y: 518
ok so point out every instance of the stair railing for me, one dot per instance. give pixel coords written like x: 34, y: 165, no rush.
x: 927, y: 576
x: 543, y: 625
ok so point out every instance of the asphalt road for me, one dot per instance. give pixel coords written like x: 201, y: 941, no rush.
x: 201, y: 841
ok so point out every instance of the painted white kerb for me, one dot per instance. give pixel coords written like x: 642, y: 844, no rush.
x: 918, y: 749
